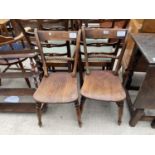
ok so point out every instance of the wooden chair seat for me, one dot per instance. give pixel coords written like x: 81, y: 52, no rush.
x: 57, y: 88
x: 103, y: 85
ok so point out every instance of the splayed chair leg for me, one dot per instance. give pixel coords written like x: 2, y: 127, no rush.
x: 120, y: 111
x: 82, y: 103
x: 39, y: 113
x: 78, y: 113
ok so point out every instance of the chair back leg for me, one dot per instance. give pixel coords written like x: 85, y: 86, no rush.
x: 39, y: 113
x: 120, y: 111
x: 78, y: 113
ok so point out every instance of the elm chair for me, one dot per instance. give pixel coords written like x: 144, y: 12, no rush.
x: 104, y: 85
x: 58, y: 87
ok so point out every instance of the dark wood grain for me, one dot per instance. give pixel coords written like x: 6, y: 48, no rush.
x: 103, y: 85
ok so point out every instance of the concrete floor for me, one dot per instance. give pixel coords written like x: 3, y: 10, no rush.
x: 98, y: 118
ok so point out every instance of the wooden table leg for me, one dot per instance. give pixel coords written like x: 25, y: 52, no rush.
x: 137, y: 115
x: 153, y: 124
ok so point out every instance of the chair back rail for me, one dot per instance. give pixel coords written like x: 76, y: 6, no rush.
x: 46, y: 36
x: 105, y: 33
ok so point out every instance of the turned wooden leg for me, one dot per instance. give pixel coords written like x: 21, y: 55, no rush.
x: 78, y: 113
x: 39, y: 112
x: 120, y: 111
x: 23, y: 70
x: 138, y: 113
x: 82, y: 103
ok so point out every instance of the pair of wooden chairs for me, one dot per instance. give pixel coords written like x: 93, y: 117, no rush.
x: 62, y: 87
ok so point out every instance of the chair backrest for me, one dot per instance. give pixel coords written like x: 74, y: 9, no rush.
x: 43, y: 37
x: 105, y: 33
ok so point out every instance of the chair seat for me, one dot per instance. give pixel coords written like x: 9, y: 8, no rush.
x: 103, y: 85
x: 57, y: 88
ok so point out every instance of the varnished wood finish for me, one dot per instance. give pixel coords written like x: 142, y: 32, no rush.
x: 135, y: 26
x: 148, y: 26
x: 145, y: 43
x: 145, y: 98
x: 57, y: 88
x: 3, y: 26
x: 102, y: 33
x: 56, y: 35
x: 103, y: 85
x: 3, y: 21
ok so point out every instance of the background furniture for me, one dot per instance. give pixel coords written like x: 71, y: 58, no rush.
x: 13, y: 51
x: 136, y: 26
x: 3, y: 26
x: 8, y: 44
x: 20, y: 106
x: 145, y: 47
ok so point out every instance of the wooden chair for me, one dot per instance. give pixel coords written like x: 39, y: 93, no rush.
x: 12, y: 44
x: 57, y: 87
x: 104, y: 85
